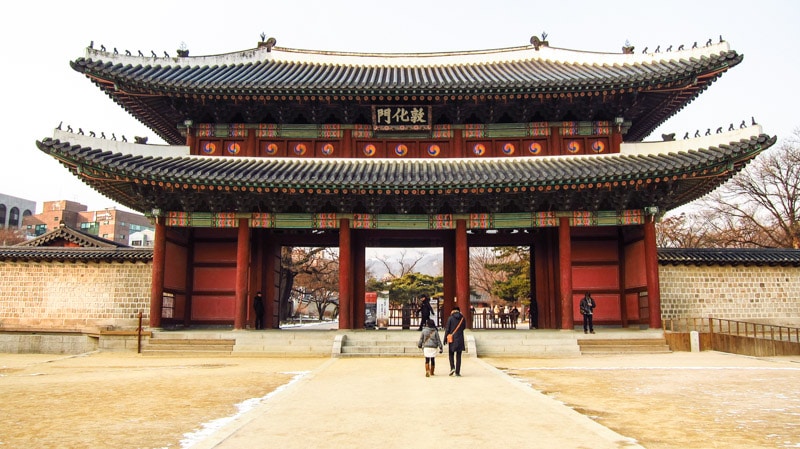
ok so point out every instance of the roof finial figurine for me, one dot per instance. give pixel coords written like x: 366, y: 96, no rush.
x: 91, y: 44
x: 658, y: 49
x: 753, y: 121
x: 627, y: 48
x: 686, y: 136
x: 127, y: 52
x: 69, y: 128
x: 536, y: 42
x: 263, y: 36
x: 742, y: 125
x: 113, y: 136
x: 140, y: 53
x: 115, y: 51
x: 719, y: 130
x: 730, y: 128
x: 720, y: 38
x: 102, y: 47
x: 694, y: 45
x: 153, y: 54
x: 708, y: 42
x: 166, y: 55
x: 124, y: 139
x: 102, y: 135
x: 680, y: 47
x: 92, y: 134
x: 708, y: 131
x: 59, y: 125
x: 183, y: 51
x: 80, y: 131
x: 645, y: 50
x: 669, y: 49
x: 697, y: 133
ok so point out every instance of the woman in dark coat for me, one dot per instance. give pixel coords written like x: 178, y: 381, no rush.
x: 455, y: 327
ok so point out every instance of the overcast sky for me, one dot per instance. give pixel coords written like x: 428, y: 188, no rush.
x: 41, y: 38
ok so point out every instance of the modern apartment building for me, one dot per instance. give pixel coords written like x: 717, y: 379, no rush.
x: 110, y: 223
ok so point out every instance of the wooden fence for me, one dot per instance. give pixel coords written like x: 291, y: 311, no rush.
x: 738, y: 337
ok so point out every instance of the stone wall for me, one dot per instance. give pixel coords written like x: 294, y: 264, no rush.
x: 84, y: 296
x: 745, y: 293
x: 89, y: 296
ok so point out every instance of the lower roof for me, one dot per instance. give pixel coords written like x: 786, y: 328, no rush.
x: 610, y: 182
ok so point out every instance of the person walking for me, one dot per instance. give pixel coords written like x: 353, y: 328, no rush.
x: 429, y: 342
x: 258, y: 306
x: 425, y: 310
x: 454, y: 338
x: 587, y: 306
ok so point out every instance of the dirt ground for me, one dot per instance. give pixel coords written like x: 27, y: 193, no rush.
x: 679, y: 400
x: 126, y: 400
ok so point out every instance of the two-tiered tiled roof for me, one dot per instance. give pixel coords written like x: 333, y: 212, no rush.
x: 284, y: 85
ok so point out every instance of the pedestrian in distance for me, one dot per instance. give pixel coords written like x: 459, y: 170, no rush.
x: 425, y: 310
x: 258, y: 306
x: 587, y: 306
x: 430, y: 342
x: 454, y: 339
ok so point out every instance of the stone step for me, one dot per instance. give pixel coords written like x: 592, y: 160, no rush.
x: 623, y: 346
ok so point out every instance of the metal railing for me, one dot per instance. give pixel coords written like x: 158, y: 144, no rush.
x: 733, y: 327
x: 407, y: 319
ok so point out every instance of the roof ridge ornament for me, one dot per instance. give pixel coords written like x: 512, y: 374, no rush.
x: 543, y: 42
x: 268, y: 43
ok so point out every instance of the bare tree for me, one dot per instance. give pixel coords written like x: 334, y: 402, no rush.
x: 401, y: 266
x: 11, y: 236
x: 317, y: 280
x: 483, y: 279
x: 760, y: 206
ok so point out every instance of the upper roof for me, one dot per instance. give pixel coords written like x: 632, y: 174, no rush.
x: 316, y: 86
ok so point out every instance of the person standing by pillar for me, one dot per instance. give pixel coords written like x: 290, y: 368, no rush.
x: 587, y: 306
x: 258, y: 305
x: 454, y: 338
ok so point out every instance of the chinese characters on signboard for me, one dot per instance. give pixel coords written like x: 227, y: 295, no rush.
x: 401, y: 118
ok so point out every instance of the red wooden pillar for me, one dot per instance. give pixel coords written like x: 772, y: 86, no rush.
x: 651, y: 271
x: 565, y: 270
x: 462, y: 270
x: 345, y: 276
x: 190, y: 139
x: 271, y: 287
x: 449, y: 272
x: 159, y: 262
x: 359, y: 289
x: 242, y: 271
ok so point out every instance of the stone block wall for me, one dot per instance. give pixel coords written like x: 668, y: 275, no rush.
x: 81, y: 296
x: 743, y: 293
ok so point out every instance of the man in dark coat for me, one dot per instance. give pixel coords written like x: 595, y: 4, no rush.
x: 258, y: 305
x: 455, y: 327
x: 587, y: 306
x: 425, y: 310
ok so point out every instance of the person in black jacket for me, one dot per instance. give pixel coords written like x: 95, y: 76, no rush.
x: 258, y: 306
x: 587, y: 306
x: 455, y: 327
x: 425, y: 311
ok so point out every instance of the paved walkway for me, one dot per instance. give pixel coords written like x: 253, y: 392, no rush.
x: 389, y: 403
